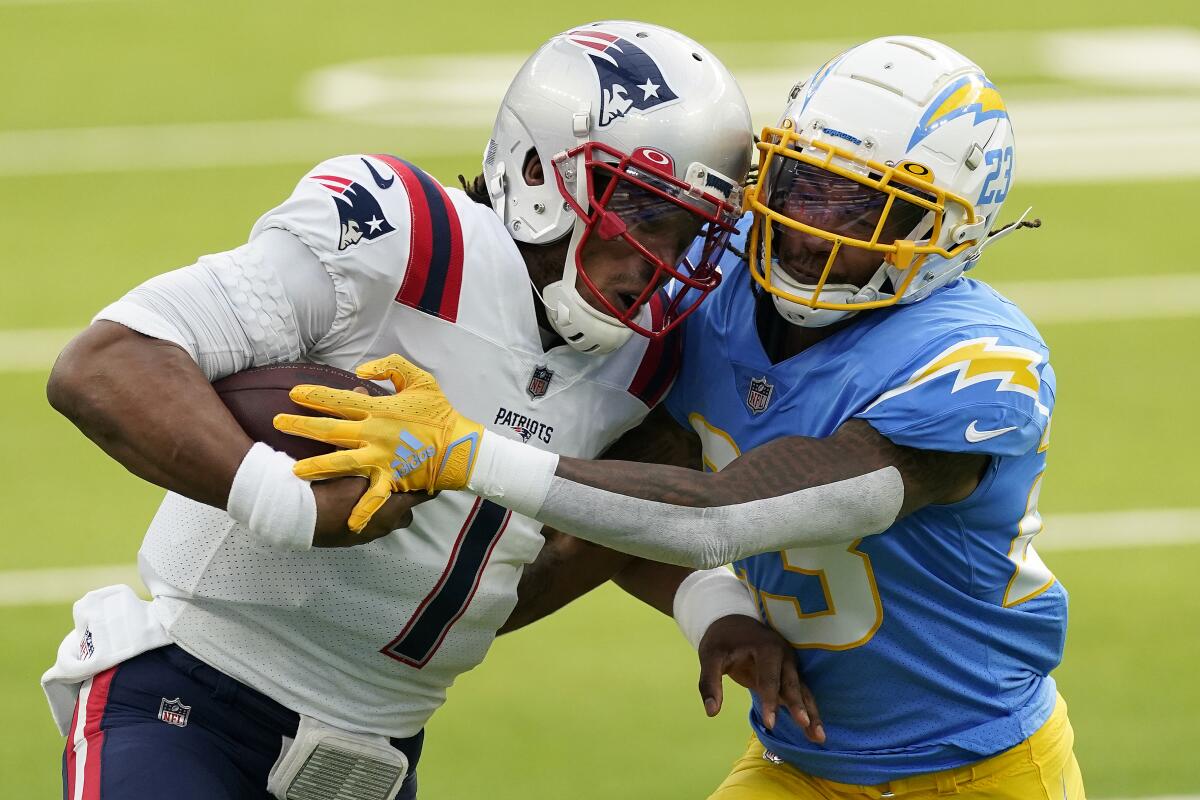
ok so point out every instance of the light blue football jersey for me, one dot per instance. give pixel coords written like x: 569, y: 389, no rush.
x: 928, y: 646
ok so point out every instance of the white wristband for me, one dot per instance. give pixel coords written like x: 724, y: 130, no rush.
x: 706, y: 596
x: 513, y: 474
x: 279, y: 509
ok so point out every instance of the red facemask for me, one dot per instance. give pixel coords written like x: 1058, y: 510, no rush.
x: 636, y: 200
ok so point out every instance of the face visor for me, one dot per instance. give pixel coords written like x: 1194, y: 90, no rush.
x: 637, y: 224
x: 834, y: 222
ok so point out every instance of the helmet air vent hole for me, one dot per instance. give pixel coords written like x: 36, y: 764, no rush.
x: 641, y: 34
x: 913, y: 46
x: 873, y: 82
x: 697, y: 56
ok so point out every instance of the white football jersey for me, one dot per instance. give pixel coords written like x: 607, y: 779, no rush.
x: 370, y: 637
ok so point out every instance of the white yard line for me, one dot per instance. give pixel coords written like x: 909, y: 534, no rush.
x: 426, y: 106
x: 202, y: 145
x: 32, y: 349
x: 27, y: 587
x: 1060, y: 140
x: 1108, y: 530
x: 1064, y: 532
x: 1106, y: 299
x: 1046, y: 302
x: 19, y: 3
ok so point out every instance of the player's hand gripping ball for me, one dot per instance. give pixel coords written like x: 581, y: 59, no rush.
x: 404, y: 442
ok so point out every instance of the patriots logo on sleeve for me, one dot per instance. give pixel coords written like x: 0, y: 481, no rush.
x: 629, y: 78
x: 359, y: 213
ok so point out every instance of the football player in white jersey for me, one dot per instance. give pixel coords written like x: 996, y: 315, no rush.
x: 263, y: 663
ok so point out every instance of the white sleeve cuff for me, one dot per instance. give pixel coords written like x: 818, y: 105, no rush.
x: 515, y: 475
x: 278, y: 508
x: 706, y: 596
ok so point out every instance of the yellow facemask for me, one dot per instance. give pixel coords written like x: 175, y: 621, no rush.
x: 905, y: 184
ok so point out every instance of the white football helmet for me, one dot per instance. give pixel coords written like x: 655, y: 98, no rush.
x: 901, y: 147
x: 636, y: 127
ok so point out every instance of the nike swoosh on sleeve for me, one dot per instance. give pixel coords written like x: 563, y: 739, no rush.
x: 974, y: 435
x: 378, y: 178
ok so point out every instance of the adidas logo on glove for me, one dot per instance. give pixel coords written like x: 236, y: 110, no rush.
x: 410, y: 454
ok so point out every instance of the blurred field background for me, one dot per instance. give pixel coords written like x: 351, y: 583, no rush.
x: 135, y: 136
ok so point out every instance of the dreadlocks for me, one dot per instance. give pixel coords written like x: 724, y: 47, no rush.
x: 476, y: 189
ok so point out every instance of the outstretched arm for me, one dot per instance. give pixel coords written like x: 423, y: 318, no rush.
x: 788, y: 465
x: 793, y: 492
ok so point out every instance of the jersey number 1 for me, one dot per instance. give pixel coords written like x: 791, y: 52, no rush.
x: 450, y: 596
x: 852, y: 610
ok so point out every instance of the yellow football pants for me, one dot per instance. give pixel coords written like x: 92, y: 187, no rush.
x: 1043, y: 767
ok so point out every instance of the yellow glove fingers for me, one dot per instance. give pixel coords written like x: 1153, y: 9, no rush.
x: 338, y: 432
x: 372, y: 500
x: 341, y: 464
x: 403, y: 373
x: 335, y: 402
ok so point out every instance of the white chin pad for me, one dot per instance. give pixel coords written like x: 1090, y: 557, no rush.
x: 805, y: 317
x: 583, y: 327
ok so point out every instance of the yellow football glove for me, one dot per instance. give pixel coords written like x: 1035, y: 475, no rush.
x: 411, y: 440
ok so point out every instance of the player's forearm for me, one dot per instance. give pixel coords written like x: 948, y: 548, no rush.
x: 777, y: 468
x: 147, y: 404
x: 790, y: 493
x: 653, y: 583
x: 566, y: 568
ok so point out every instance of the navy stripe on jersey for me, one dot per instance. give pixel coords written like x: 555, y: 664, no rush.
x: 451, y: 595
x: 433, y: 278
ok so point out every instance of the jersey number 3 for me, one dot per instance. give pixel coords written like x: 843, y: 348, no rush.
x: 852, y: 611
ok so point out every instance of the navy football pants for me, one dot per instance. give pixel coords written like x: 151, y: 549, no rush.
x: 130, y: 741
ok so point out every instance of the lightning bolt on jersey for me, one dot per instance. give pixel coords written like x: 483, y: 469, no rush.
x: 928, y: 646
x: 370, y: 637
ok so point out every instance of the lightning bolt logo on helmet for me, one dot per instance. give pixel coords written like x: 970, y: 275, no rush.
x: 970, y: 94
x: 629, y: 78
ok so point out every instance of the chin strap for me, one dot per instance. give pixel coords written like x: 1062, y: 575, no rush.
x: 808, y: 317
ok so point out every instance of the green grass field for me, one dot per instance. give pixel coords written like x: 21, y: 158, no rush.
x: 598, y: 701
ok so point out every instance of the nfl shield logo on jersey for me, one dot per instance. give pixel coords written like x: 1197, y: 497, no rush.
x: 539, y: 382
x: 174, y: 712
x: 759, y: 396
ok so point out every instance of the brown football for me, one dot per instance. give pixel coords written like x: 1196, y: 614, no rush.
x: 256, y: 395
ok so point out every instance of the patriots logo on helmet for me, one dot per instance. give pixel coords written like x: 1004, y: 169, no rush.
x: 359, y: 212
x: 629, y: 78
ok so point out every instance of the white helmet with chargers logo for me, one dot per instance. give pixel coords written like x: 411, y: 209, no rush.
x: 899, y: 147
x: 637, y: 129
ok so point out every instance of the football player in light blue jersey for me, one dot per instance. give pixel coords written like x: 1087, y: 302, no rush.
x: 874, y: 429
x: 930, y: 645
